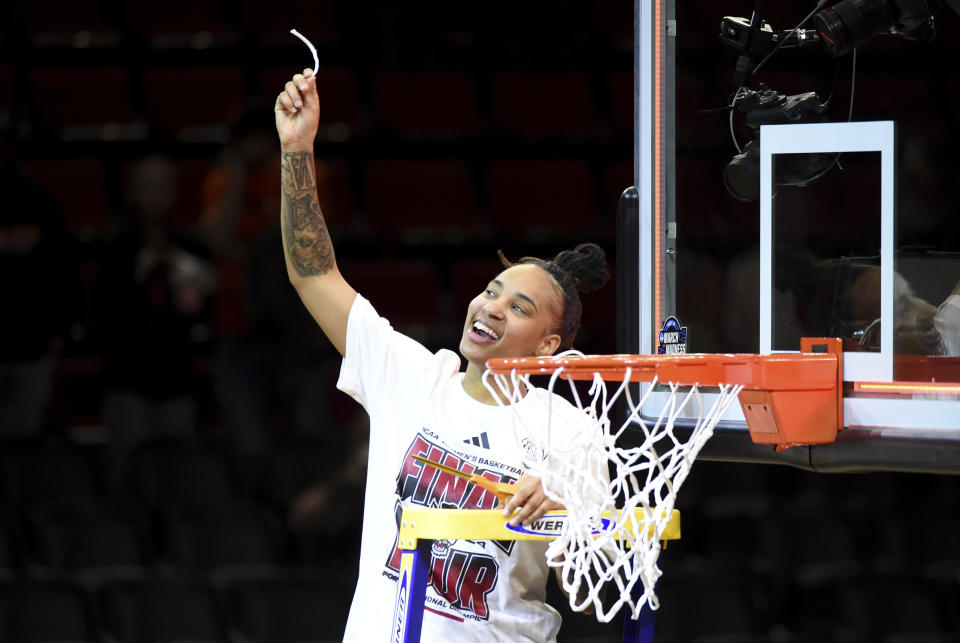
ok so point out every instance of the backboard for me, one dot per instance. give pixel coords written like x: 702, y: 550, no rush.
x: 853, y: 233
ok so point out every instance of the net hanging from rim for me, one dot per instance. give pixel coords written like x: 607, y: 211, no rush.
x: 602, y: 560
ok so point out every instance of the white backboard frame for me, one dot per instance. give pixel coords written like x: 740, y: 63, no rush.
x: 816, y: 138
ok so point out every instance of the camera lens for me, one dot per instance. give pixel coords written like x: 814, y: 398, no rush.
x: 741, y: 177
x: 847, y: 24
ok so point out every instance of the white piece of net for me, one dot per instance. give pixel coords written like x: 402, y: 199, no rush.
x: 603, y: 562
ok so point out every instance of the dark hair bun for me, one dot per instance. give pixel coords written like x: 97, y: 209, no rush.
x: 587, y: 264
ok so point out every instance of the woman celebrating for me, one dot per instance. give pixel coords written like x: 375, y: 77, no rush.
x: 420, y: 403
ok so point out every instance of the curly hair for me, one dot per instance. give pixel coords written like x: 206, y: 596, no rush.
x: 574, y: 272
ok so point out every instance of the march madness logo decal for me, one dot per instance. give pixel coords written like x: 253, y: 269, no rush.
x: 673, y: 338
x: 463, y: 578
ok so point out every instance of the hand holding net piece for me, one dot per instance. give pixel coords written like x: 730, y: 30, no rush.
x: 313, y: 50
x: 595, y: 556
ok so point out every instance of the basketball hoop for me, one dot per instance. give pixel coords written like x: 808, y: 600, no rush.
x: 779, y: 393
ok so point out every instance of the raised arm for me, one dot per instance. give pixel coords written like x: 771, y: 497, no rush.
x: 311, y: 264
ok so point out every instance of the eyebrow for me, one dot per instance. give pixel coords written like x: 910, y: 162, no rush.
x: 519, y: 295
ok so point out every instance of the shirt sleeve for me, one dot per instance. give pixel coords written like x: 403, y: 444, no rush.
x: 378, y: 361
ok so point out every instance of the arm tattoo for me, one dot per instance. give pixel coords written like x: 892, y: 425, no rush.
x: 304, y: 231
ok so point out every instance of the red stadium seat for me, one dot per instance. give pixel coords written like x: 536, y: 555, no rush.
x: 538, y: 106
x: 335, y: 192
x: 545, y: 199
x: 82, y: 96
x: 69, y: 23
x: 77, y: 185
x: 317, y: 20
x: 171, y: 21
x: 427, y: 105
x: 406, y: 292
x: 620, y: 91
x: 421, y: 200
x: 180, y: 99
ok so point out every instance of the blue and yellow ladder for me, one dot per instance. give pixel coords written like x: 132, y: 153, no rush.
x: 420, y: 527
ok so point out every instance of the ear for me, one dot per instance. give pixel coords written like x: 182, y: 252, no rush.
x: 548, y: 345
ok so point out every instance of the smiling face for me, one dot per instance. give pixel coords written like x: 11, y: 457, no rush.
x: 515, y: 316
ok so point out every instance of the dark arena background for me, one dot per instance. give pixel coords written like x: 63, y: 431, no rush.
x: 176, y: 462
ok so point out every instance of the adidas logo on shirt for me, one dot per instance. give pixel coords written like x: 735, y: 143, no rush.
x: 479, y: 440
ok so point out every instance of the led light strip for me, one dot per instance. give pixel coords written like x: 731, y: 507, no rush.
x: 907, y: 388
x: 658, y: 29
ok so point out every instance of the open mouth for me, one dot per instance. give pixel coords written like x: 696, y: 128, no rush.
x: 482, y: 333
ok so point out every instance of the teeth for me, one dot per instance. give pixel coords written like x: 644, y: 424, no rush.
x: 489, y: 331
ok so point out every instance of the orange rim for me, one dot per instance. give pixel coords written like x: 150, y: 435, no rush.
x: 781, y: 371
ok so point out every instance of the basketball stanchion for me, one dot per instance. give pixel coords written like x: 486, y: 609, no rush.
x: 619, y: 498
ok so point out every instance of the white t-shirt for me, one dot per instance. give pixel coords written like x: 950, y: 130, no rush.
x: 479, y: 590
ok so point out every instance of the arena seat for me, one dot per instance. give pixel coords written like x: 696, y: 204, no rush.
x: 91, y: 541
x: 83, y: 22
x: 288, y: 610
x: 440, y: 105
x: 318, y: 20
x: 162, y: 473
x: 78, y: 186
x: 818, y: 546
x: 35, y: 471
x: 422, y: 201
x: 162, y: 610
x: 223, y: 541
x: 405, y: 291
x: 175, y: 22
x: 931, y: 548
x: 168, y: 90
x: 41, y: 612
x: 705, y: 606
x: 544, y: 106
x: 79, y: 98
x: 900, y: 607
x: 545, y: 199
x: 293, y: 466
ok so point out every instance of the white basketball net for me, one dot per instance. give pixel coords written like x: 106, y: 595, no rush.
x: 616, y: 556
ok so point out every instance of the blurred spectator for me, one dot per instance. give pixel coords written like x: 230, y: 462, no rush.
x: 273, y: 366
x: 37, y: 279
x: 947, y: 321
x: 151, y: 297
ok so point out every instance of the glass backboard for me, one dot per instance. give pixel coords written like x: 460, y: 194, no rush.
x: 821, y: 204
